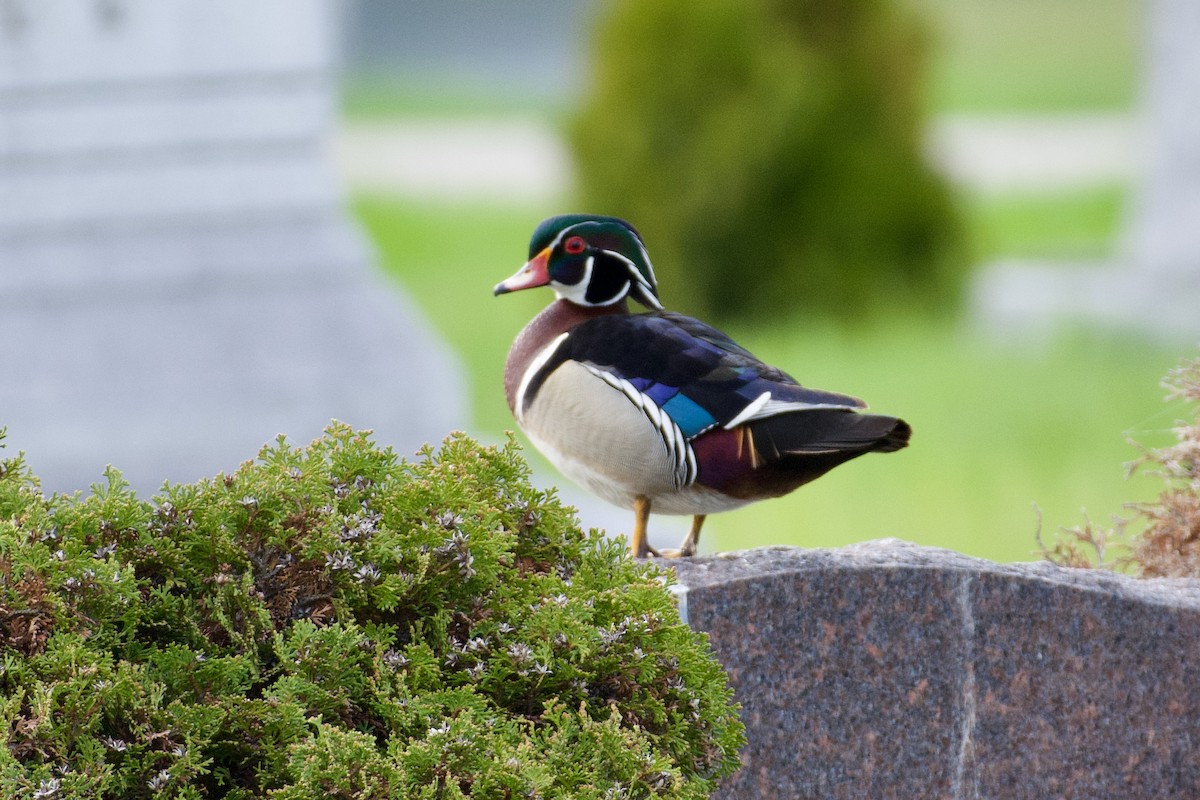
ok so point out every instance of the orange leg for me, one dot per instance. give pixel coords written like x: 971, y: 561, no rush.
x: 638, y: 546
x: 688, y: 548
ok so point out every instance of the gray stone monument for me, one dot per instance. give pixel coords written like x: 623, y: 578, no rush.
x: 1165, y: 234
x: 179, y: 282
x: 891, y: 670
x: 1156, y: 286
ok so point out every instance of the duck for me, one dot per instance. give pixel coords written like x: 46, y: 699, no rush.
x: 654, y: 410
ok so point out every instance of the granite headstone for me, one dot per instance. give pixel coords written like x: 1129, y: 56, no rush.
x: 888, y: 670
x: 179, y: 279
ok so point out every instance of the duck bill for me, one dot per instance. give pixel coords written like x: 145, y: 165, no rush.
x: 536, y: 272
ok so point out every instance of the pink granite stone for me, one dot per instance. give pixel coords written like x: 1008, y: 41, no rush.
x: 887, y: 670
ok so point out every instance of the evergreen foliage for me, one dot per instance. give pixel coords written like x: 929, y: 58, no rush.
x: 333, y: 622
x: 770, y: 152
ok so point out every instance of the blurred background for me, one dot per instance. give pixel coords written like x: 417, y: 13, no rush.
x: 825, y: 180
x: 975, y: 214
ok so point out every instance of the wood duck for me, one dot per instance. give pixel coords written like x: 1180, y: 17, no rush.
x: 657, y: 410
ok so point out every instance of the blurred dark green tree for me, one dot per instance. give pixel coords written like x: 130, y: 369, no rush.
x: 770, y: 151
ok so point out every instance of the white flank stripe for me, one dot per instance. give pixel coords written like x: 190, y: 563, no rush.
x: 749, y: 411
x: 783, y: 406
x: 763, y: 406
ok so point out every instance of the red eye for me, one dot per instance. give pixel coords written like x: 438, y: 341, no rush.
x: 575, y: 245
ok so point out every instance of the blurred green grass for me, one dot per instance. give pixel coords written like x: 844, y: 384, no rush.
x: 1004, y: 434
x: 998, y: 429
x: 1076, y: 223
x: 1033, y: 55
x: 374, y: 97
x: 1001, y: 435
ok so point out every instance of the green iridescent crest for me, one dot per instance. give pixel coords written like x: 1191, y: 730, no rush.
x: 596, y: 260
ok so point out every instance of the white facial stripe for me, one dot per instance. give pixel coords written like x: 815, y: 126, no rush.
x: 635, y: 274
x: 577, y: 293
x: 559, y: 238
x: 534, y: 367
x: 646, y: 261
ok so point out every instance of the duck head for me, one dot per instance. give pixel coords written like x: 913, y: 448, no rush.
x: 588, y: 260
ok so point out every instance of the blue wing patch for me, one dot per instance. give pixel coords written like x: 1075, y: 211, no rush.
x: 689, y: 415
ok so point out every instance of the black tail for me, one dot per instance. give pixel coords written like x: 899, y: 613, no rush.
x: 834, y: 433
x: 895, y: 439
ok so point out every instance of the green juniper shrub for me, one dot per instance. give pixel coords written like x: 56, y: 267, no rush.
x: 333, y: 622
x: 770, y: 151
